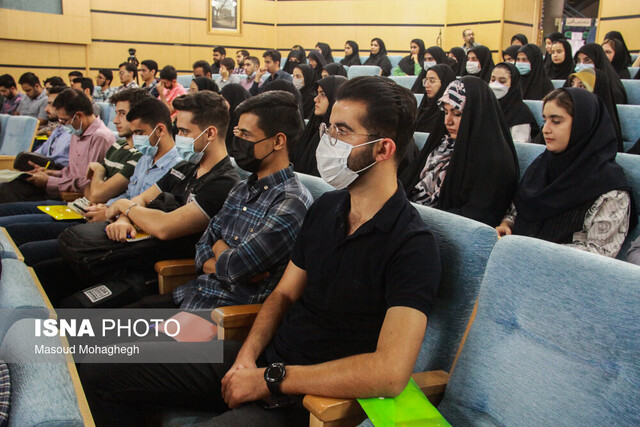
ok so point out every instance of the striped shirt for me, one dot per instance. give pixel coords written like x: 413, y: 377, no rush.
x: 120, y: 159
x: 260, y: 221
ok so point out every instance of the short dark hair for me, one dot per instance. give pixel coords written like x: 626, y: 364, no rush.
x: 29, y: 79
x: 275, y: 55
x: 253, y: 59
x: 130, y: 95
x: 202, y: 64
x: 85, y: 83
x: 7, y: 81
x: 229, y: 63
x: 151, y: 65
x: 54, y: 90
x: 244, y: 52
x: 277, y: 111
x: 129, y: 67
x: 390, y: 109
x: 75, y: 74
x: 73, y: 101
x: 208, y: 109
x: 169, y: 73
x: 562, y: 98
x: 107, y: 73
x: 465, y: 30
x: 55, y: 81
x: 221, y: 50
x: 151, y: 111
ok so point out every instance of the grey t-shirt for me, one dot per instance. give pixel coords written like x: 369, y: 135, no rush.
x: 34, y: 107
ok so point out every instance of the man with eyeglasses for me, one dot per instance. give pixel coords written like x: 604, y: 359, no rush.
x: 469, y: 40
x: 90, y: 140
x: 103, y: 90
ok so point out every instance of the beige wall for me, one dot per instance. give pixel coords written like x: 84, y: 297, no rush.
x: 629, y: 27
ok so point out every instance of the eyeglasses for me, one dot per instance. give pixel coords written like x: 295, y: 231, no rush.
x: 430, y: 80
x: 336, y: 133
x: 67, y: 121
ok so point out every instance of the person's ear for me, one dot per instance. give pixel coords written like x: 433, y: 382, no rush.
x: 212, y: 133
x: 280, y: 141
x: 384, y: 149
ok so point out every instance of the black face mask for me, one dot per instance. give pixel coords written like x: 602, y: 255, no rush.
x: 242, y: 152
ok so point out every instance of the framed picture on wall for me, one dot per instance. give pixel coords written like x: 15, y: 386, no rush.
x: 224, y: 16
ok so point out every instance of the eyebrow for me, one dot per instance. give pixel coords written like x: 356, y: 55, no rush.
x: 344, y: 125
x: 245, y: 131
x: 552, y: 116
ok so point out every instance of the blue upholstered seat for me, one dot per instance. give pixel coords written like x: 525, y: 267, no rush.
x: 629, y: 123
x: 404, y: 81
x: 17, y: 134
x: 633, y: 71
x: 394, y: 59
x: 555, y: 341
x: 185, y: 80
x: 420, y: 138
x: 363, y: 70
x: 316, y: 185
x: 419, y: 97
x: 632, y: 87
x: 107, y: 114
x: 557, y: 83
x: 536, y: 110
x: 7, y: 247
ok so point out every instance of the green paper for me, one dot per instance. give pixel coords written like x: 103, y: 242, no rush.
x: 411, y: 408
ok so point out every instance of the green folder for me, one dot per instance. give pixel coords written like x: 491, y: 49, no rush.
x: 411, y: 408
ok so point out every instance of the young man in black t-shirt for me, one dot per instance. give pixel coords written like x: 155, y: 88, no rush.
x: 348, y: 317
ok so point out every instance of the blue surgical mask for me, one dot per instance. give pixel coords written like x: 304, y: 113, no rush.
x: 186, y: 148
x: 581, y: 67
x: 71, y: 130
x: 143, y: 145
x: 524, y: 68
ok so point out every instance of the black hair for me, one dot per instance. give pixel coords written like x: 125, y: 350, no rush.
x: 244, y: 52
x: 54, y: 90
x: 275, y: 55
x: 208, y: 109
x: 133, y: 96
x: 107, y: 73
x: 7, y: 81
x: 130, y: 68
x: 73, y: 101
x: 55, y: 81
x: 29, y: 79
x: 229, y: 64
x: 151, y: 65
x: 151, y: 111
x: 390, y: 109
x: 277, y: 112
x: 253, y: 59
x: 169, y: 73
x: 85, y: 83
x: 221, y: 50
x: 75, y: 74
x: 202, y: 64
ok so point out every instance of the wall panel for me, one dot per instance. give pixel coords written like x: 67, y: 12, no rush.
x: 626, y: 19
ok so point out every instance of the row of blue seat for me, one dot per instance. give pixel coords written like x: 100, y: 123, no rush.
x: 16, y: 134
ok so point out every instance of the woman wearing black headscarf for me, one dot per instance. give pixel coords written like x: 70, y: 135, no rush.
x: 325, y: 50
x: 378, y: 56
x: 549, y: 40
x: 626, y: 55
x: 468, y: 165
x: 574, y: 193
x: 432, y: 56
x: 317, y: 62
x: 505, y: 84
x: 333, y: 69
x: 459, y: 55
x: 234, y: 94
x: 294, y: 58
x: 520, y: 39
x: 615, y: 54
x: 479, y: 63
x: 351, y: 54
x: 203, y: 83
x: 591, y: 55
x: 535, y: 84
x: 511, y: 53
x: 303, y: 80
x: 411, y: 64
x: 561, y: 60
x: 303, y: 154
x: 436, y: 81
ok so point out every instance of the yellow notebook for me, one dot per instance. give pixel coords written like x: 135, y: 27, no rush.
x: 60, y: 212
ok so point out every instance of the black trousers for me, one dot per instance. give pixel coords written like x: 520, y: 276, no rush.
x: 20, y: 190
x: 135, y: 394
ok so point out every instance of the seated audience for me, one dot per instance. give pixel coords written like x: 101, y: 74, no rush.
x: 534, y: 82
x: 432, y: 56
x: 620, y: 60
x: 272, y: 66
x: 53, y: 81
x: 102, y: 90
x: 325, y: 50
x: 90, y: 141
x: 574, y: 193
x: 511, y: 53
x: 233, y: 95
x: 219, y: 53
x: 74, y: 75
x: 379, y: 57
x: 549, y: 40
x: 56, y: 147
x: 561, y: 60
x: 469, y: 165
x: 469, y: 40
x: 591, y: 55
x: 519, y: 40
x: 623, y: 51
x: 436, y: 80
x: 169, y: 88
x: 505, y: 84
x: 412, y: 64
x: 479, y: 63
x: 294, y: 58
x: 303, y: 81
x: 333, y: 69
x: 351, y: 54
x: 201, y: 69
x: 303, y: 154
x: 287, y: 87
x: 317, y: 62
x: 9, y: 92
x: 226, y: 73
x: 85, y: 84
x: 203, y: 83
x: 35, y: 101
x: 148, y: 71
x: 460, y: 57
x: 127, y: 73
x: 251, y: 65
x: 241, y: 55
x: 368, y: 331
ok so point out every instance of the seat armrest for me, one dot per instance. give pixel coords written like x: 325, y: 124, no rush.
x: 6, y: 162
x: 174, y: 273
x: 332, y: 410
x: 234, y: 322
x: 70, y: 196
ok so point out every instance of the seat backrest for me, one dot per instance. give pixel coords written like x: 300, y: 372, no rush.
x: 185, y: 80
x: 420, y: 138
x: 18, y: 133
x: 363, y: 70
x: 404, y: 81
x: 316, y: 185
x: 394, y: 59
x: 633, y: 71
x: 557, y: 83
x: 107, y: 114
x: 555, y: 341
x: 527, y: 152
x: 4, y: 119
x: 629, y: 122
x: 632, y: 87
x: 465, y: 246
x: 536, y: 110
x: 418, y: 97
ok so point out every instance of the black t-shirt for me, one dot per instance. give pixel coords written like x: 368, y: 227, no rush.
x: 208, y: 192
x: 391, y: 260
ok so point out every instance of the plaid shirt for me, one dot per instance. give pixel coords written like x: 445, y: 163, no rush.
x: 260, y: 221
x: 9, y: 106
x: 100, y: 95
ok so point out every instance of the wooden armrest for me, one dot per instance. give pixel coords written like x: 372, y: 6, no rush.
x: 6, y: 162
x: 70, y: 196
x: 330, y: 410
x: 235, y: 316
x: 176, y: 267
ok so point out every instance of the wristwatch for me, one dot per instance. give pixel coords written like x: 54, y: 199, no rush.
x: 273, y: 375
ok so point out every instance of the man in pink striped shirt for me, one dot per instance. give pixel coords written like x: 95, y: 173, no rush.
x: 169, y: 88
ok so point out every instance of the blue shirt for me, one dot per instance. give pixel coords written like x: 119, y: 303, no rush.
x: 148, y: 173
x: 57, y: 146
x: 260, y: 221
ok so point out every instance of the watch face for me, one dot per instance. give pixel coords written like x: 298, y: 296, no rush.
x: 275, y: 372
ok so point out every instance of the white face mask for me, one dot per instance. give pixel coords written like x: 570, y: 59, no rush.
x: 473, y: 67
x: 581, y: 67
x: 332, y: 161
x: 298, y: 83
x: 499, y: 90
x: 429, y: 64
